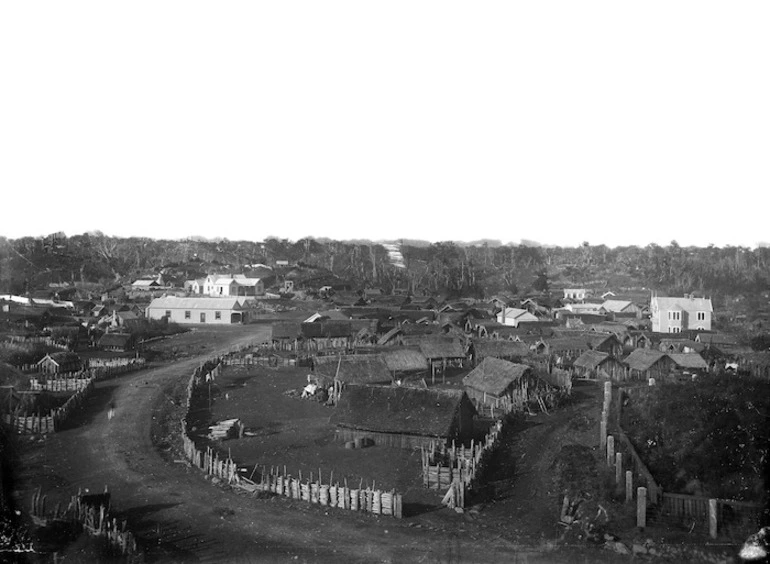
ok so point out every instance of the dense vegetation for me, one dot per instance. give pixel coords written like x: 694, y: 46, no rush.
x: 444, y: 266
x: 710, y: 436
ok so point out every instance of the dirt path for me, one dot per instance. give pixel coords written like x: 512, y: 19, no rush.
x: 180, y: 517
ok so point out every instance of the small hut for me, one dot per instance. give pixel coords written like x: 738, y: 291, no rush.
x: 689, y: 363
x: 116, y: 342
x: 404, y: 362
x: 59, y: 363
x: 499, y: 383
x: 442, y: 353
x: 647, y: 363
x: 598, y: 365
x: 513, y: 351
x: 403, y: 417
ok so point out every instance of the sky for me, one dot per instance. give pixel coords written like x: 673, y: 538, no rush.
x: 617, y: 123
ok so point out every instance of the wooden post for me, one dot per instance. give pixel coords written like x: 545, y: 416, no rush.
x: 610, y: 450
x: 713, y: 518
x: 619, y: 469
x: 641, y: 507
x: 603, y: 432
x: 629, y: 486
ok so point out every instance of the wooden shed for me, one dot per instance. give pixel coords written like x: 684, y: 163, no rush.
x: 405, y: 362
x: 403, y: 417
x: 442, y: 353
x: 599, y: 365
x: 513, y: 351
x: 59, y: 363
x: 647, y: 363
x: 499, y: 382
x: 116, y: 342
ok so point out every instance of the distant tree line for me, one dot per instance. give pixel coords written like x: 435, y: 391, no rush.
x: 444, y: 267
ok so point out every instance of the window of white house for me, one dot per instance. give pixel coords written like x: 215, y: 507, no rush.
x: 701, y: 316
x: 203, y: 317
x: 675, y: 315
x: 168, y: 313
x: 187, y: 314
x: 217, y: 315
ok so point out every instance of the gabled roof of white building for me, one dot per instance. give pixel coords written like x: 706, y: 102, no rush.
x: 685, y: 303
x: 171, y: 302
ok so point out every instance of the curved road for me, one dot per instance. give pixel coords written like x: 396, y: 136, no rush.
x: 179, y: 516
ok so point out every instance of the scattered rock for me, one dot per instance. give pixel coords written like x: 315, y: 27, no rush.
x: 638, y: 548
x: 618, y: 547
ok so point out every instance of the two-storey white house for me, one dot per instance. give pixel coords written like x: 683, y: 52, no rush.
x: 227, y: 285
x: 674, y: 315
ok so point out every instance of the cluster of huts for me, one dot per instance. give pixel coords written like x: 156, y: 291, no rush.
x: 390, y: 363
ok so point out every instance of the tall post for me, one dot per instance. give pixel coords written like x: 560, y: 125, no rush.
x: 619, y: 469
x: 610, y: 450
x: 629, y: 486
x: 603, y: 433
x: 641, y: 507
x: 713, y: 518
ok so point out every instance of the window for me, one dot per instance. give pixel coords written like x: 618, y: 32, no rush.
x: 203, y: 317
x: 187, y: 314
x: 217, y: 315
x: 168, y: 313
x: 675, y: 315
x: 701, y: 316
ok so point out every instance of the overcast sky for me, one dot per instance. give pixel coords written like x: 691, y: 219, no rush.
x: 559, y: 122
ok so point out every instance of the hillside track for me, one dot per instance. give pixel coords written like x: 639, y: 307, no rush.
x: 179, y: 516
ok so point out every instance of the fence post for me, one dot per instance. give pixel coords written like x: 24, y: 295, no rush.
x: 619, y: 469
x: 603, y: 432
x: 610, y: 450
x: 641, y: 507
x: 713, y: 518
x: 629, y: 486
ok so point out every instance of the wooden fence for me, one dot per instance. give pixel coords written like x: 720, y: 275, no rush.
x: 94, y: 520
x: 58, y: 384
x: 24, y: 423
x: 695, y: 513
x: 458, y: 468
x: 313, y: 491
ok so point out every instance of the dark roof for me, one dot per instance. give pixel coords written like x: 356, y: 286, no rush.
x: 499, y: 348
x: 330, y: 328
x: 495, y: 375
x: 63, y: 357
x: 643, y: 359
x: 357, y: 368
x: 590, y: 359
x: 115, y: 340
x: 441, y: 348
x: 717, y: 339
x: 405, y: 410
x: 286, y: 330
x: 689, y: 360
x: 405, y: 360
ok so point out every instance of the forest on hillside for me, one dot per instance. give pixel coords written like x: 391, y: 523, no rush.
x: 478, y: 269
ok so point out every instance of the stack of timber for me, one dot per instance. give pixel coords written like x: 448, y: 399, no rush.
x: 226, y: 429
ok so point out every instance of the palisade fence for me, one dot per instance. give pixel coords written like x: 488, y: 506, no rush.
x: 715, y: 517
x: 275, y: 480
x: 458, y: 468
x: 91, y: 514
x: 24, y: 423
x: 81, y: 383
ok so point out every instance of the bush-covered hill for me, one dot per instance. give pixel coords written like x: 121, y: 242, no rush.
x: 709, y: 437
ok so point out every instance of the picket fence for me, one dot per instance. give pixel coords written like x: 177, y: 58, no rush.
x: 94, y: 520
x: 313, y: 491
x: 58, y: 384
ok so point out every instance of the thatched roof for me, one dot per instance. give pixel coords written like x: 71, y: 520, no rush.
x: 692, y: 361
x: 63, y: 357
x: 500, y: 349
x: 115, y: 340
x: 442, y: 348
x: 590, y: 360
x: 412, y: 411
x: 327, y: 329
x: 286, y: 330
x: 405, y: 360
x: 494, y: 375
x: 356, y: 368
x: 643, y: 359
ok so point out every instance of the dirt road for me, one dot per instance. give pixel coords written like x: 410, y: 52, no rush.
x: 180, y: 517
